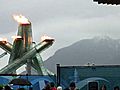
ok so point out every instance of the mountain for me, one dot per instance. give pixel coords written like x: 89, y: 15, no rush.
x: 96, y: 50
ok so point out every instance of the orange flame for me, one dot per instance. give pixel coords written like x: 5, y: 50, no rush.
x: 3, y: 39
x: 21, y: 19
x: 16, y: 37
x: 44, y: 37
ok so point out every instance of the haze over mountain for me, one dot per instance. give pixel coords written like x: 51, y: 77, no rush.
x: 96, y: 50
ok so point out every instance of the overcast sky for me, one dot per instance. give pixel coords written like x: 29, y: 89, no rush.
x: 67, y: 21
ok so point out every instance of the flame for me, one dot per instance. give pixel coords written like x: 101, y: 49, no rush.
x: 21, y: 19
x: 44, y: 37
x: 16, y: 37
x: 3, y: 39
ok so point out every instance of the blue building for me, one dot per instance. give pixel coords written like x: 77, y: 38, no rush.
x: 90, y: 77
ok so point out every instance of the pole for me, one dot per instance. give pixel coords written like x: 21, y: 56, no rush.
x: 58, y: 74
x: 6, y: 46
x: 25, y: 31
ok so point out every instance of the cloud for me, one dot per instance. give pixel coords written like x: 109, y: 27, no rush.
x: 65, y: 20
x: 67, y: 31
x: 68, y: 27
x: 39, y: 11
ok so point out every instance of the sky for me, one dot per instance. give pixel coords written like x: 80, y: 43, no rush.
x: 68, y: 21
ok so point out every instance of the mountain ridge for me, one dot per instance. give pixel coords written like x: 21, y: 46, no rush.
x: 96, y: 50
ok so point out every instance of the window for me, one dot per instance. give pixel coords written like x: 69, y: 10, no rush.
x: 93, y: 86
